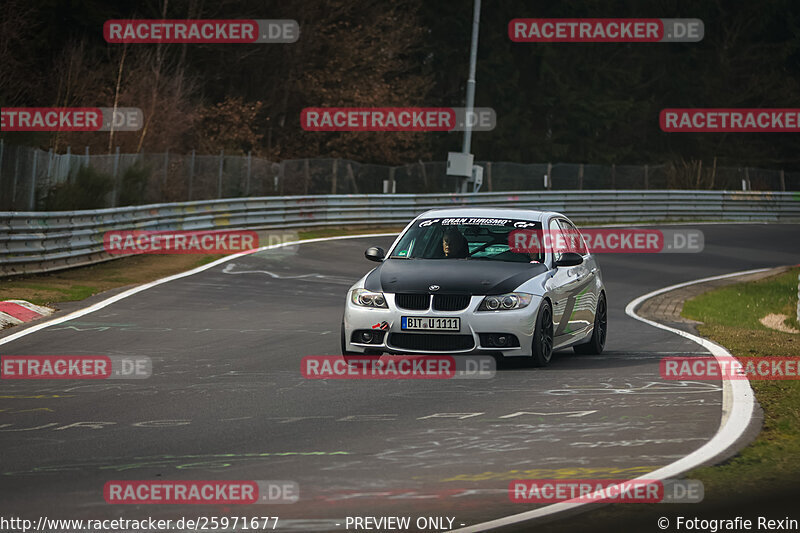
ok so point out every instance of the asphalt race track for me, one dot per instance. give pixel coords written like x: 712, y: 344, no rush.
x: 227, y: 400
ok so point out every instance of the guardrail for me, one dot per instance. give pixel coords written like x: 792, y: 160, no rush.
x: 42, y: 242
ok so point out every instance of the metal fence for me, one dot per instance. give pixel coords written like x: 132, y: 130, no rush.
x: 29, y: 177
x: 39, y: 242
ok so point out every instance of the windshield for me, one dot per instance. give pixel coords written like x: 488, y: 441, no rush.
x: 465, y: 238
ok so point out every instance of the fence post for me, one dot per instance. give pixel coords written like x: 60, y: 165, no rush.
x: 49, y: 175
x: 352, y: 178
x: 87, y: 157
x: 783, y: 180
x: 306, y: 176
x: 116, y: 163
x: 333, y: 177
x: 32, y: 200
x: 548, y: 178
x: 166, y: 167
x: 115, y: 193
x: 249, y: 166
x: 580, y: 177
x: 219, y: 179
x: 646, y: 177
x: 747, y: 177
x: 276, y: 173
x: 191, y: 175
x: 50, y: 164
x: 613, y: 175
x: 14, y: 179
x: 69, y: 161
x: 392, y: 184
x: 713, y: 173
x: 1, y: 172
x: 425, y: 176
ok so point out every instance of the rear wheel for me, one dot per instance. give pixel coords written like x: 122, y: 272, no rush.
x: 542, y: 349
x: 598, y: 340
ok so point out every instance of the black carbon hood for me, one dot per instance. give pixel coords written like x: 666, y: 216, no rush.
x: 453, y: 276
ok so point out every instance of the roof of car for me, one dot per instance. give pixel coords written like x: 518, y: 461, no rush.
x: 489, y: 212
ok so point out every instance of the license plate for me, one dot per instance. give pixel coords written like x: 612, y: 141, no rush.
x: 430, y: 323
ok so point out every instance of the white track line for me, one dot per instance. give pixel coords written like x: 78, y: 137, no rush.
x: 130, y: 292
x: 737, y: 406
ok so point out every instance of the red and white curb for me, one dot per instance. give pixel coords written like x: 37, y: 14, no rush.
x: 13, y: 312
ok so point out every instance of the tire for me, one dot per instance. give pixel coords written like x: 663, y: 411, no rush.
x: 598, y: 340
x: 542, y: 344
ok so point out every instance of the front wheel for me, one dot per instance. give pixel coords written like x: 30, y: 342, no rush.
x: 598, y: 340
x: 542, y: 349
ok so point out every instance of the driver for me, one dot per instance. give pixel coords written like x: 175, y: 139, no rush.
x: 454, y: 244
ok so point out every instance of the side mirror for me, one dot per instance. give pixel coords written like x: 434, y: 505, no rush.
x: 569, y: 259
x: 375, y: 254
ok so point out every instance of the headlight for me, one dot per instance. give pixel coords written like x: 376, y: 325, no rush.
x: 504, y: 302
x: 366, y: 298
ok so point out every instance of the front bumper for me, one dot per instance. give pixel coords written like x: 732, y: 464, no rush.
x: 517, y: 322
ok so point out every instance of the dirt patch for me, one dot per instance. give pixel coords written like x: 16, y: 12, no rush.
x: 777, y: 322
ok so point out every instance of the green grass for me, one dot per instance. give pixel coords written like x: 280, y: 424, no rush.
x: 69, y: 294
x: 742, y: 305
x: 730, y: 317
x: 77, y: 284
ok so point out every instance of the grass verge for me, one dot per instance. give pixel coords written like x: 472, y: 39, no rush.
x: 336, y: 232
x: 730, y: 317
x: 79, y: 283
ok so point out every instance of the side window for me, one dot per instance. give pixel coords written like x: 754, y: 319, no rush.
x: 575, y: 241
x: 554, y: 231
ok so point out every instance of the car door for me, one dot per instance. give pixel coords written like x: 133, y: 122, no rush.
x: 582, y: 287
x: 571, y: 286
x: 560, y: 285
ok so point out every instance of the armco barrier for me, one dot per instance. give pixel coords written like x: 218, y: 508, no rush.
x: 41, y: 242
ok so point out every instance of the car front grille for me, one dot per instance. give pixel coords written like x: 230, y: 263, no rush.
x: 417, y: 302
x: 450, y: 302
x: 431, y: 342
